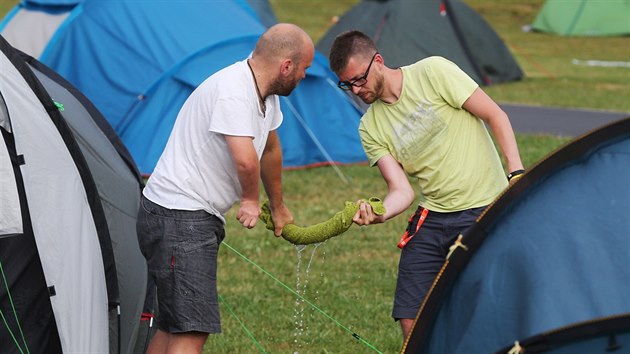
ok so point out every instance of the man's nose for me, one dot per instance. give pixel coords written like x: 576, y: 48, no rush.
x: 356, y: 89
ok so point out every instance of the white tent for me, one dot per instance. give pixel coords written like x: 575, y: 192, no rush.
x: 68, y: 204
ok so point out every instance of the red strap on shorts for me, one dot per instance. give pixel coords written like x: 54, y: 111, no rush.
x: 406, y: 237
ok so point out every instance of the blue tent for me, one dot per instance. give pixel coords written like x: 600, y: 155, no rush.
x: 138, y: 61
x: 546, y: 265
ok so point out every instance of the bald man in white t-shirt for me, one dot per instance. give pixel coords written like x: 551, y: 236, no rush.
x: 223, y: 143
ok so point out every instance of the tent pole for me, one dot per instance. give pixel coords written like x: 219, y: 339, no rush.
x: 315, y: 140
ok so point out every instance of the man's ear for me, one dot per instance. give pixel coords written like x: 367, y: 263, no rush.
x: 286, y: 67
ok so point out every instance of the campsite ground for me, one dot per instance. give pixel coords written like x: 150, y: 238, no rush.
x: 351, y: 278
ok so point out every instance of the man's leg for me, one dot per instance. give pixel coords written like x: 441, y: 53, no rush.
x: 159, y: 343
x: 168, y: 343
x: 184, y: 343
x: 420, y: 261
x: 405, y: 325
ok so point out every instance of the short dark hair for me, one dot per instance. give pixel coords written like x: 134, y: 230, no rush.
x: 348, y: 44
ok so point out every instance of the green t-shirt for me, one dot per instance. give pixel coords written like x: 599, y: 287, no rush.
x: 441, y: 145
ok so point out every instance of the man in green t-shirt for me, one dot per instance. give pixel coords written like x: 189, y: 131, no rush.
x: 426, y: 122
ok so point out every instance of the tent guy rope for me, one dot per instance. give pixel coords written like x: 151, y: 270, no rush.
x: 17, y: 320
x: 354, y: 334
x: 249, y: 333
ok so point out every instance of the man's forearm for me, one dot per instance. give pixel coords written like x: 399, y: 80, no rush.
x: 397, y: 202
x: 248, y: 177
x: 271, y: 173
x: 503, y: 133
x: 271, y: 169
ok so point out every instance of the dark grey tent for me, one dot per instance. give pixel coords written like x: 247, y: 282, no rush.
x: 407, y: 31
x: 263, y: 11
x: 75, y: 278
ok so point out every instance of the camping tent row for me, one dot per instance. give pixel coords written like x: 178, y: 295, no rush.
x: 138, y: 61
x: 406, y: 31
x: 546, y: 267
x: 73, y: 277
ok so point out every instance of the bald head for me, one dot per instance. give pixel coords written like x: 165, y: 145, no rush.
x: 280, y: 59
x: 281, y: 41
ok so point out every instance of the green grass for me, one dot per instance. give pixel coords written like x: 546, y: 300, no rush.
x: 551, y: 79
x: 352, y: 277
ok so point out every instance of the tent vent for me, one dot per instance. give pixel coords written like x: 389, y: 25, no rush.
x: 51, y: 291
x: 20, y: 160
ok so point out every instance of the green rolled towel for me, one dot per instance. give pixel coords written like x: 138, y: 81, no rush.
x: 336, y: 225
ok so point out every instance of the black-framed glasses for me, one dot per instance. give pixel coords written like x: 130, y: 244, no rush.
x: 347, y: 85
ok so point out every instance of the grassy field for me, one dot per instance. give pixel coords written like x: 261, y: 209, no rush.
x: 351, y: 278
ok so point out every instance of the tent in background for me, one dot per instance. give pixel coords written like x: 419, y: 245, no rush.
x: 263, y: 10
x: 546, y: 263
x: 138, y: 61
x: 407, y: 31
x: 70, y: 191
x: 584, y: 18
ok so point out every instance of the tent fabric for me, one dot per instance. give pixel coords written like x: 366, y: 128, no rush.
x: 601, y: 335
x: 70, y: 233
x: 407, y: 31
x: 552, y: 251
x: 118, y: 185
x: 42, y: 24
x: 138, y: 61
x: 584, y: 18
x: 263, y: 11
x: 76, y: 262
x: 10, y: 214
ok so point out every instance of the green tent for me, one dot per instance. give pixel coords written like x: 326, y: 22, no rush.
x: 584, y: 17
x: 406, y: 31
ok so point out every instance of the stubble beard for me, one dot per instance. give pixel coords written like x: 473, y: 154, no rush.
x: 371, y: 96
x: 283, y: 87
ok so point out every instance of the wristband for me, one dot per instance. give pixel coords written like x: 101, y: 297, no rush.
x: 514, y: 174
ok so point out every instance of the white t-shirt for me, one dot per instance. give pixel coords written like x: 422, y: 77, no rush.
x: 196, y: 170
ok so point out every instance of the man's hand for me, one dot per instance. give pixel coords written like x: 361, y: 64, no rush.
x: 248, y: 213
x: 281, y: 216
x: 365, y: 215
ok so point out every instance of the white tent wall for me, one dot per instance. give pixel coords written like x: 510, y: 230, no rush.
x: 120, y: 198
x: 31, y: 30
x: 62, y: 222
x: 10, y: 213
